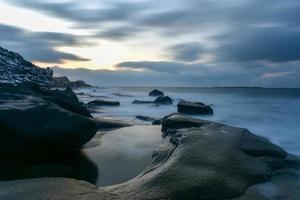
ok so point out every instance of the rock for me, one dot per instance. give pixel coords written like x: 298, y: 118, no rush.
x: 104, y: 124
x: 49, y: 188
x: 142, y: 102
x: 47, y: 120
x: 121, y: 95
x: 163, y: 100
x: 149, y: 119
x: 156, y: 122
x: 64, y: 82
x: 199, y: 108
x: 103, y: 103
x: 206, y: 162
x: 145, y: 118
x: 177, y: 121
x: 209, y: 161
x: 155, y: 93
x: 15, y: 70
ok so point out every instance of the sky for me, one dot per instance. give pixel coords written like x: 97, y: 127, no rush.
x: 159, y: 43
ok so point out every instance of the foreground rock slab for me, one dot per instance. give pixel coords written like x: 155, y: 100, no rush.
x: 197, y: 160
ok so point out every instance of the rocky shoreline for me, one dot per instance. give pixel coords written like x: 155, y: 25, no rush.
x: 198, y: 159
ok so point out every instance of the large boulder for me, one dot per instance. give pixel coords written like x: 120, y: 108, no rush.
x: 209, y: 161
x: 163, y: 100
x: 33, y: 119
x: 196, y: 108
x: 156, y: 93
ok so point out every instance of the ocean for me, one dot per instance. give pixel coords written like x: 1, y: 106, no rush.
x: 124, y: 153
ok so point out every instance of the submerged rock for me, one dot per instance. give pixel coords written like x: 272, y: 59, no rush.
x: 199, y: 108
x: 155, y: 93
x: 149, y: 119
x: 104, y: 124
x: 163, y: 100
x: 103, y: 103
x: 142, y: 102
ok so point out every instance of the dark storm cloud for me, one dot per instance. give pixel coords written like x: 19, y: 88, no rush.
x: 119, y: 33
x: 112, y: 11
x: 245, y: 37
x: 186, y: 52
x: 39, y: 46
x: 269, y: 44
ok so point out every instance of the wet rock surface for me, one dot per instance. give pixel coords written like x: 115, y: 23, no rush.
x: 207, y: 161
x: 104, y: 124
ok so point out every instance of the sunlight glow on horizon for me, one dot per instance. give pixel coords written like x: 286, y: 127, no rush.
x: 105, y: 54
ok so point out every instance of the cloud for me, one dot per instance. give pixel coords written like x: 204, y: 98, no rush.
x: 162, y: 66
x: 119, y: 33
x: 245, y: 37
x: 186, y: 52
x: 276, y: 74
x: 39, y: 46
x: 269, y: 44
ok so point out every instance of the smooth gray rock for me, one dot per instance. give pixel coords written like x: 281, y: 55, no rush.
x: 206, y: 162
x: 50, y: 189
x: 35, y: 119
x: 196, y: 108
x: 163, y: 100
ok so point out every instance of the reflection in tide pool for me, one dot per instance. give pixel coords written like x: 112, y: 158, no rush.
x: 122, y: 154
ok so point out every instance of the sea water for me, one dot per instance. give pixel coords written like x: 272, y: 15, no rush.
x: 124, y: 153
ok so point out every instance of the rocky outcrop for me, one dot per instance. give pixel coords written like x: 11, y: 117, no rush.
x: 197, y: 160
x: 64, y: 82
x: 15, y: 70
x: 163, y: 100
x: 103, y: 103
x: 196, y: 108
x: 38, y: 119
x: 156, y: 93
x: 210, y: 161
